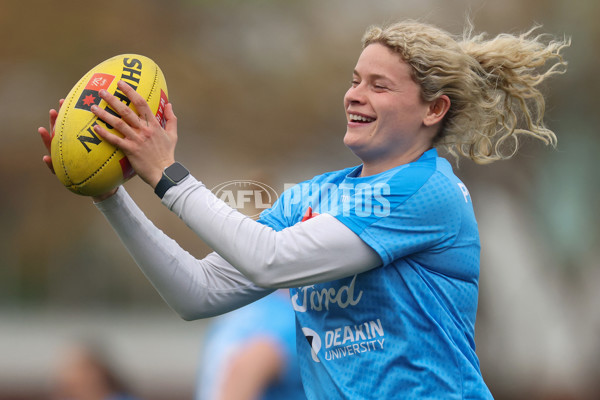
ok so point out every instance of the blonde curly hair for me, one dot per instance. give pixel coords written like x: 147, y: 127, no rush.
x: 493, y: 84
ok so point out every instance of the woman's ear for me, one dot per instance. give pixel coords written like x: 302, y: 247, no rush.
x: 437, y: 110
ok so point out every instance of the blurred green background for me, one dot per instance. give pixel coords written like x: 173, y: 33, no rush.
x: 257, y: 87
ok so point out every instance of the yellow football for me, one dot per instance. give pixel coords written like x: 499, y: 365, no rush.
x: 82, y: 161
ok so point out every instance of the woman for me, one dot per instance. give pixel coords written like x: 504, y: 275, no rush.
x: 382, y: 258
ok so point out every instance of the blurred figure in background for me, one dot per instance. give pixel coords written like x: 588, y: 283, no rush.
x: 84, y: 373
x: 250, y: 353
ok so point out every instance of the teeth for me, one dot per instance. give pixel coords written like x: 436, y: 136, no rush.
x: 354, y: 117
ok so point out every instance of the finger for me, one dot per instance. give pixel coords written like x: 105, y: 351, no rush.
x: 54, y: 115
x: 170, y: 121
x: 126, y: 113
x: 46, y: 137
x: 141, y: 105
x: 118, y: 123
x: 48, y: 161
x: 115, y: 140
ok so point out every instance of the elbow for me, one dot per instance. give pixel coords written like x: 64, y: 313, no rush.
x: 191, y: 313
x: 189, y: 316
x: 266, y: 276
x: 194, y: 316
x: 260, y: 278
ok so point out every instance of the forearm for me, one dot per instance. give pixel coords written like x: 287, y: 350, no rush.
x: 193, y: 288
x: 318, y: 250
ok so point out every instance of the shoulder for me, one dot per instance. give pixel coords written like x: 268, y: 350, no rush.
x: 401, y: 183
x: 432, y: 176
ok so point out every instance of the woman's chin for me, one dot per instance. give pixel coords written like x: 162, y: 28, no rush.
x: 352, y: 141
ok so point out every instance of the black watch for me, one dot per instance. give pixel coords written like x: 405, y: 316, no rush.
x: 171, y: 176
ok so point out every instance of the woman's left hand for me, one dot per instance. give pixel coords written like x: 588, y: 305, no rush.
x: 149, y: 147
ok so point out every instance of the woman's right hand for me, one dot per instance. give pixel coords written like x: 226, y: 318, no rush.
x: 47, y: 135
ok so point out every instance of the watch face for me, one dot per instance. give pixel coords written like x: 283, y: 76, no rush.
x: 176, y: 172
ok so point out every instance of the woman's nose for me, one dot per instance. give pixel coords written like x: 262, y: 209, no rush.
x: 355, y: 94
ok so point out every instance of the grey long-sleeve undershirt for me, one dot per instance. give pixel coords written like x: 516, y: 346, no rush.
x: 250, y: 259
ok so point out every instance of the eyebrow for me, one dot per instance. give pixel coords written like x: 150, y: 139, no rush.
x: 374, y: 76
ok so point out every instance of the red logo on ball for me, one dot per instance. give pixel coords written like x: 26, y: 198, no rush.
x: 89, y: 96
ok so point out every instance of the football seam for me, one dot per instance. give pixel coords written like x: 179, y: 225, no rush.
x: 83, y: 182
x: 153, y: 87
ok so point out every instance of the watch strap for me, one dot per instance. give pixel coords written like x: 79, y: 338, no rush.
x: 171, y: 176
x: 162, y: 186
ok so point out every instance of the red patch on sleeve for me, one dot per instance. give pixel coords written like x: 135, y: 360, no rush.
x: 309, y: 214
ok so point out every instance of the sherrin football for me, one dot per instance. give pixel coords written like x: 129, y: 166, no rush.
x: 82, y: 161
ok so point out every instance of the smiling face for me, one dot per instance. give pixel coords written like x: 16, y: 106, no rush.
x: 385, y: 112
